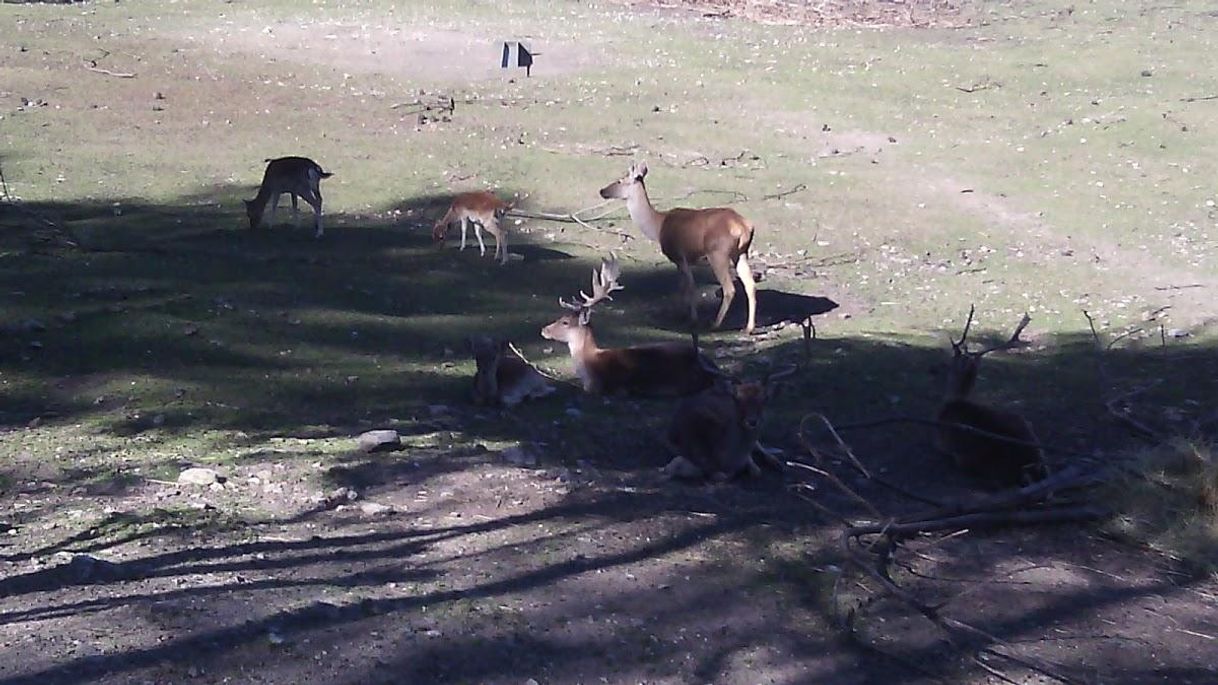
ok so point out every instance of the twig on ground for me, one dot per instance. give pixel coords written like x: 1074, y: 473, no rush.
x: 1200, y: 98
x: 1179, y: 287
x: 91, y: 65
x: 799, y: 187
x: 538, y: 369
x: 839, y: 485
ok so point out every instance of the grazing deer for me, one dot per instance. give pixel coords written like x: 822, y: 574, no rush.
x: 995, y: 462
x: 299, y: 177
x: 721, y: 236
x: 503, y: 377
x: 483, y: 210
x: 714, y: 434
x: 658, y: 370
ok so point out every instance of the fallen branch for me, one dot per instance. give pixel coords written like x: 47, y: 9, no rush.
x: 91, y: 65
x: 1048, y: 447
x: 953, y: 629
x: 797, y: 189
x: 1200, y: 98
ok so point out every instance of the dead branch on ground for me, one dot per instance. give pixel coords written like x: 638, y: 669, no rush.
x: 1051, y: 500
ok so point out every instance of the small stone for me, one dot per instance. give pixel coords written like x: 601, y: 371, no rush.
x: 1178, y: 333
x: 375, y: 509
x: 1147, y: 73
x: 198, y: 476
x: 380, y: 441
x: 519, y: 456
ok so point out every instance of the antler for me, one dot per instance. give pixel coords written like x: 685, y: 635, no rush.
x: 604, y: 281
x: 959, y: 346
x: 1012, y: 342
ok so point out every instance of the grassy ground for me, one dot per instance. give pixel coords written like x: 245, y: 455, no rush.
x: 1036, y: 160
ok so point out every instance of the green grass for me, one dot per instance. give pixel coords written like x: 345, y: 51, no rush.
x: 233, y: 338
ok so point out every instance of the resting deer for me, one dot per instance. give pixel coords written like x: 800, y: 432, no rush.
x: 503, y: 377
x: 658, y: 370
x: 299, y: 177
x: 721, y: 236
x: 995, y: 462
x: 483, y: 210
x: 714, y: 434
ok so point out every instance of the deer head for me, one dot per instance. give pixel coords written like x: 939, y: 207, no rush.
x: 620, y: 188
x: 962, y: 370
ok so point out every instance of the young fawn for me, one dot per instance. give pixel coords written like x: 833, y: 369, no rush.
x: 714, y: 434
x: 720, y: 236
x: 997, y: 463
x: 503, y: 377
x: 483, y: 210
x: 299, y: 177
x: 658, y: 370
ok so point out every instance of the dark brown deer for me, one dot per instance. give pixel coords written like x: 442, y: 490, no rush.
x: 299, y: 177
x: 994, y: 462
x: 658, y: 370
x: 503, y: 377
x: 483, y: 210
x: 714, y: 434
x: 720, y: 236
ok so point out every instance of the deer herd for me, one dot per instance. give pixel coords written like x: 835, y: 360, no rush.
x: 714, y: 431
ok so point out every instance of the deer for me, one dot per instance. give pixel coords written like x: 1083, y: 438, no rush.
x: 657, y: 370
x: 994, y: 461
x: 715, y: 434
x: 299, y: 177
x: 503, y: 377
x: 483, y: 210
x: 720, y: 235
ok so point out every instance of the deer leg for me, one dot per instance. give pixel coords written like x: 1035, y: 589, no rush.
x: 688, y: 292
x: 750, y: 291
x: 478, y: 235
x: 723, y: 273
x: 680, y: 467
x: 315, y: 201
x: 464, y: 226
x: 496, y: 230
x: 295, y: 208
x: 274, y: 206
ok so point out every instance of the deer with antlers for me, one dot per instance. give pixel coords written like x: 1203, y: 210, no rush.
x: 715, y: 433
x: 503, y: 377
x: 657, y: 370
x: 994, y: 461
x: 484, y: 211
x: 686, y: 236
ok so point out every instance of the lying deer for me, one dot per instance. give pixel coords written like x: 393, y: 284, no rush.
x: 658, y: 370
x: 299, y: 177
x: 720, y: 236
x: 483, y: 210
x: 503, y: 377
x: 714, y: 434
x: 993, y: 461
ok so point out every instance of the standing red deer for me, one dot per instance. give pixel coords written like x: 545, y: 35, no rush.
x: 720, y: 236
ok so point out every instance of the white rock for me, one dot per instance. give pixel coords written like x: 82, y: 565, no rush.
x: 198, y: 476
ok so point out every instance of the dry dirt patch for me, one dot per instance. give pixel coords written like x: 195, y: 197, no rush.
x: 830, y: 13
x: 428, y: 55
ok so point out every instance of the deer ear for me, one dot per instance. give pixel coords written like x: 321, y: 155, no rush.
x: 584, y: 316
x: 640, y: 170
